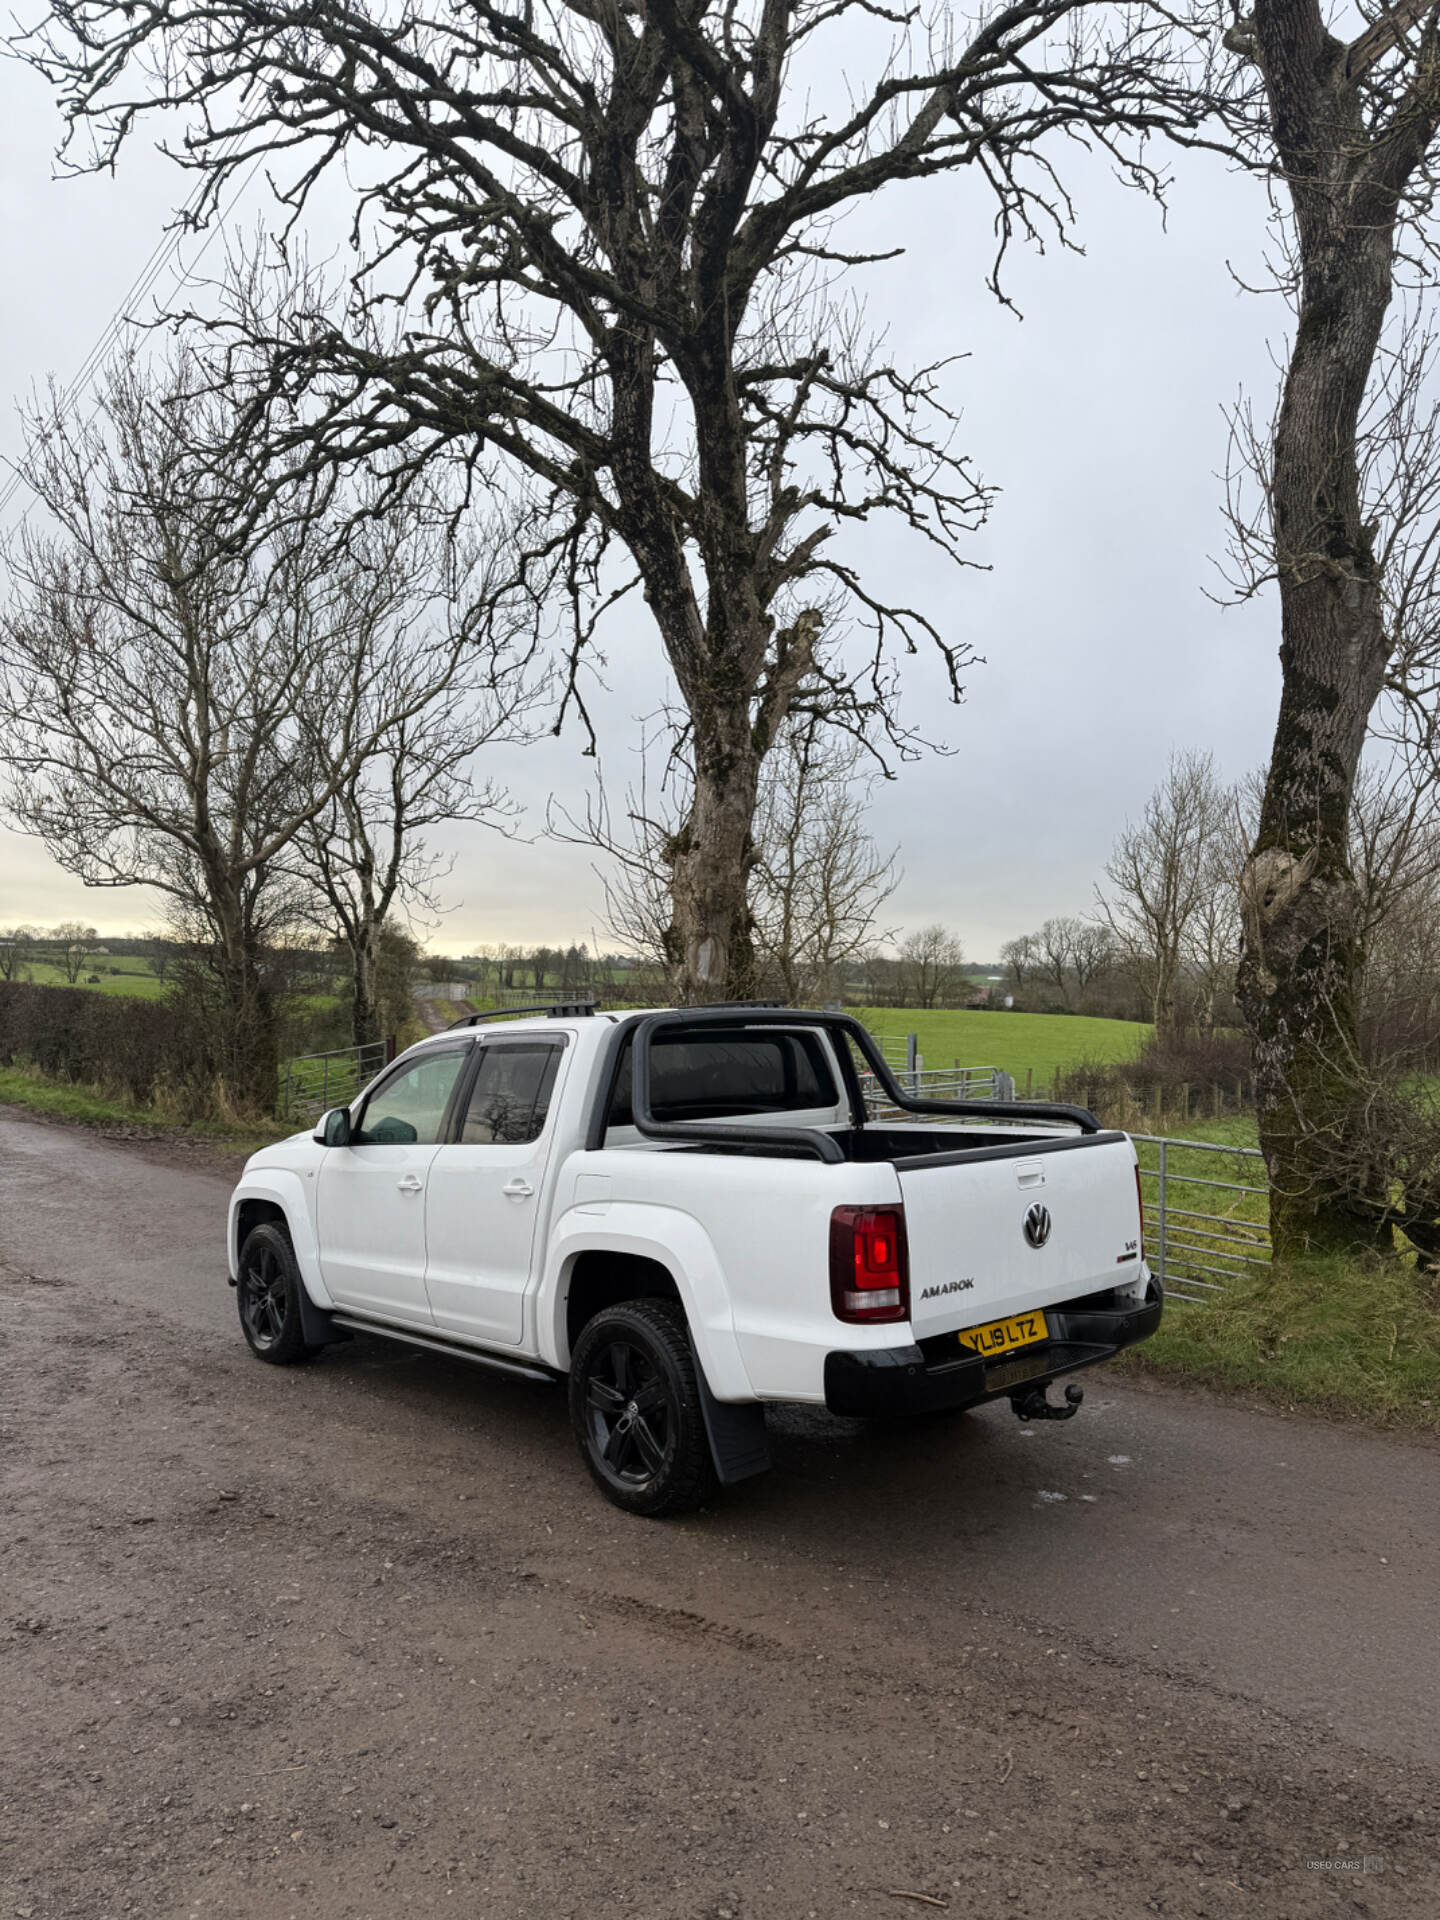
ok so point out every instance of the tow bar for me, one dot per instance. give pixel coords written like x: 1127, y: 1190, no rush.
x: 1032, y: 1404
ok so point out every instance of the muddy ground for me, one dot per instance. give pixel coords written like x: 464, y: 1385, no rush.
x: 361, y: 1639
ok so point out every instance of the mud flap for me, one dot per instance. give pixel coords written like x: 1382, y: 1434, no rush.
x: 317, y: 1326
x: 738, y: 1440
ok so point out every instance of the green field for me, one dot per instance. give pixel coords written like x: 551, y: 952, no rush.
x: 135, y: 976
x: 1020, y: 1043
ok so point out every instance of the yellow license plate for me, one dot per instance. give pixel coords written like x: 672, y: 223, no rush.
x: 1003, y: 1336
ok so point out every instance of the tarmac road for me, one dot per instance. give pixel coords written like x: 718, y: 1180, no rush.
x: 361, y: 1638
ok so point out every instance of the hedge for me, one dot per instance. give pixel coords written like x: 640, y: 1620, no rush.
x: 129, y: 1045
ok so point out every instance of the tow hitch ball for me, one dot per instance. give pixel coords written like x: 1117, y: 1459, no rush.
x: 1032, y: 1404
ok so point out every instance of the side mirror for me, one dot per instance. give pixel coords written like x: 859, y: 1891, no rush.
x: 333, y: 1129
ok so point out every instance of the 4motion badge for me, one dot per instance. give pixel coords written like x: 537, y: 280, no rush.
x: 1037, y: 1225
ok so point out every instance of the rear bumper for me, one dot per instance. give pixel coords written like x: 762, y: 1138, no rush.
x: 939, y: 1373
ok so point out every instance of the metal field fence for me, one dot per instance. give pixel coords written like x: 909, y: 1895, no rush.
x: 1207, y: 1213
x: 904, y: 1059
x: 938, y: 1083
x: 314, y: 1082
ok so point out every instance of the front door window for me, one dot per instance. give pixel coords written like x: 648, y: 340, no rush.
x: 409, y: 1110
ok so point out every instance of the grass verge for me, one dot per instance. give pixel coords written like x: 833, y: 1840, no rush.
x: 93, y: 1107
x: 1358, y: 1338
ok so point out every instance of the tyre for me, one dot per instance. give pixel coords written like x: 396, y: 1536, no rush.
x: 636, y: 1411
x: 267, y: 1293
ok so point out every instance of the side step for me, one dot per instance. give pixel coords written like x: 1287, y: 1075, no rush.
x: 451, y: 1349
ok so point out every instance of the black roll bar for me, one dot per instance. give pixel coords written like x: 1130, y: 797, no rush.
x: 811, y: 1140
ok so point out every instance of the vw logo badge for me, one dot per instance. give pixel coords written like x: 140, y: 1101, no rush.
x: 1037, y: 1225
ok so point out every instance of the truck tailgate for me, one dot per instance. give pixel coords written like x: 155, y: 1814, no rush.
x: 971, y: 1258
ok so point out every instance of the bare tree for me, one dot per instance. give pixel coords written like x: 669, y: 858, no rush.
x: 638, y: 848
x: 880, y: 973
x: 611, y: 234
x: 1211, y: 946
x: 1400, y: 999
x: 394, y: 979
x: 1394, y: 839
x: 1052, y: 956
x: 1065, y: 951
x: 73, y: 941
x: 931, y: 965
x: 819, y: 880
x: 1092, y: 953
x: 1020, y: 958
x: 181, y: 694
x: 1068, y: 953
x: 364, y: 853
x: 1158, y: 878
x: 1346, y: 132
x: 16, y: 951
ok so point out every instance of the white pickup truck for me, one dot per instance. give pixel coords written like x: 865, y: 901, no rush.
x: 689, y: 1214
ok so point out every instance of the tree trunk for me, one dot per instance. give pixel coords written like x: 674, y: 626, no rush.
x: 256, y: 1052
x: 249, y: 1045
x: 1301, y: 947
x: 710, y: 946
x: 365, y: 984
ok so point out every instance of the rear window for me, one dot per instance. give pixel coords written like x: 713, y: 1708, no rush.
x: 710, y: 1076
x: 511, y: 1096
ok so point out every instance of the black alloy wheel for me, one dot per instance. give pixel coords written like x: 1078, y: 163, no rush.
x: 267, y: 1294
x: 636, y: 1410
x: 631, y: 1417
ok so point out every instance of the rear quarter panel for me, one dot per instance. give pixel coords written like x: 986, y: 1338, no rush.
x: 748, y: 1240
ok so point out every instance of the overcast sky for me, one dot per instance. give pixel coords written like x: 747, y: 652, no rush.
x: 1100, y: 418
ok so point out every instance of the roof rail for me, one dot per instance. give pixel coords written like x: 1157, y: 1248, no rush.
x: 557, y: 1010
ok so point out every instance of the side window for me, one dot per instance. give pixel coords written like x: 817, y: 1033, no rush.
x: 409, y: 1109
x: 511, y: 1094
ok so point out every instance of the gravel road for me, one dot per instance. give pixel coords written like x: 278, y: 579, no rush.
x: 361, y: 1639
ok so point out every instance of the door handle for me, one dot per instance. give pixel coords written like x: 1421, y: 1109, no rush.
x: 517, y: 1189
x: 412, y: 1183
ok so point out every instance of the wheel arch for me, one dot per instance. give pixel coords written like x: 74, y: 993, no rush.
x: 252, y: 1212
x: 279, y: 1196
x: 669, y: 1255
x: 601, y: 1277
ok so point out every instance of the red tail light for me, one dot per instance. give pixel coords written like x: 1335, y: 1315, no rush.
x: 869, y: 1280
